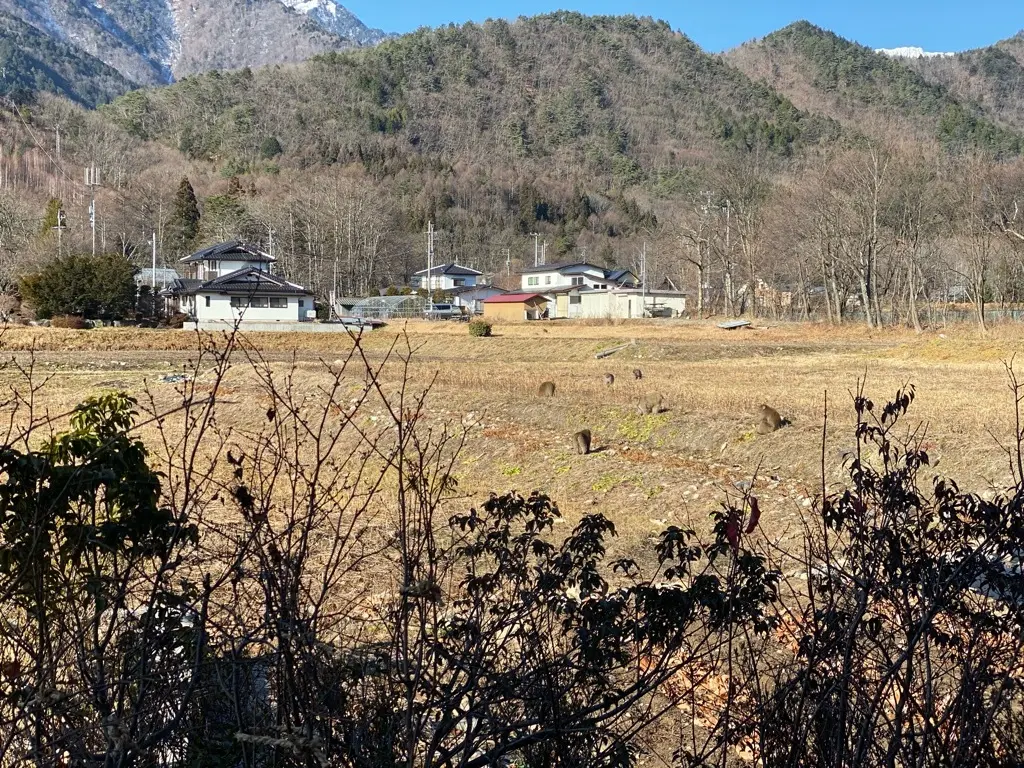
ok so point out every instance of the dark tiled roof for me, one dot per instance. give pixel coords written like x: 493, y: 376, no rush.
x: 183, y: 286
x: 619, y: 274
x: 579, y: 267
x: 449, y: 269
x: 251, y: 281
x: 232, y: 250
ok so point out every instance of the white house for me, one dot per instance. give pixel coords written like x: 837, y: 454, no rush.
x: 231, y: 282
x: 445, y: 277
x: 578, y: 274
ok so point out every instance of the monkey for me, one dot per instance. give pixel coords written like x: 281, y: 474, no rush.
x: 769, y: 420
x: 638, y: 374
x: 582, y: 440
x: 649, y: 404
x: 546, y: 389
x: 609, y: 379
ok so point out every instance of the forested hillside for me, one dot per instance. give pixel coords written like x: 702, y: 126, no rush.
x: 572, y: 126
x: 991, y: 77
x: 823, y: 72
x: 31, y: 61
x: 860, y: 191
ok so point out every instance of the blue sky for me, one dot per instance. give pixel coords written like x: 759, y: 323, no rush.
x: 938, y: 25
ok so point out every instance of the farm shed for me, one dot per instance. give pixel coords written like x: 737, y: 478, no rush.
x: 515, y: 306
x: 626, y: 303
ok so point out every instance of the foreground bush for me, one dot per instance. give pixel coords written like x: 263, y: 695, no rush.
x: 479, y: 328
x: 326, y: 599
x: 142, y: 620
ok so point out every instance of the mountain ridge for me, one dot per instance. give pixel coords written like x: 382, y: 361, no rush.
x: 156, y: 42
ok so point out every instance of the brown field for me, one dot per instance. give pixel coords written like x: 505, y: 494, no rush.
x: 674, y: 467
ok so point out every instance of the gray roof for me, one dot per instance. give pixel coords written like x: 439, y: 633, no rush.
x: 449, y: 269
x: 232, y: 250
x: 183, y: 286
x: 248, y: 281
x: 563, y: 266
x: 476, y: 289
x: 251, y: 281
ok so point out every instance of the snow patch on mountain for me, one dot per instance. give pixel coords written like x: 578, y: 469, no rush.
x: 337, y: 19
x: 913, y: 52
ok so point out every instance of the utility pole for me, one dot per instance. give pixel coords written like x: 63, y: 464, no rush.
x: 643, y: 281
x: 430, y: 261
x: 508, y: 262
x: 92, y: 180
x: 536, y: 249
x: 152, y: 280
x: 544, y: 253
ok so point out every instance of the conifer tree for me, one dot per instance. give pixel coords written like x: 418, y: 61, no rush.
x: 184, y: 224
x: 52, y: 215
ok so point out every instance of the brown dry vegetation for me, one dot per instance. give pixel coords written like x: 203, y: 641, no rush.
x: 675, y: 466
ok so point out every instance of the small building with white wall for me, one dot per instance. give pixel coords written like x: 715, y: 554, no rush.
x: 232, y: 283
x: 616, y: 304
x: 445, y: 277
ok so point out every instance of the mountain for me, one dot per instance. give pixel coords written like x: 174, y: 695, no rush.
x: 153, y: 42
x: 911, y: 52
x: 337, y: 19
x: 991, y: 77
x: 32, y: 61
x: 618, y: 94
x: 869, y: 91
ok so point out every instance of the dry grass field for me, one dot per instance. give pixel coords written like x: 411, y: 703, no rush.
x: 673, y: 467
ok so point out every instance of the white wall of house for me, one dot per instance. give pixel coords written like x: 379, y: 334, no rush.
x: 439, y: 282
x: 209, y: 270
x: 591, y: 278
x: 215, y: 307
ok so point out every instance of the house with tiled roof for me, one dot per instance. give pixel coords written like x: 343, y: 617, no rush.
x: 234, y: 282
x: 580, y: 274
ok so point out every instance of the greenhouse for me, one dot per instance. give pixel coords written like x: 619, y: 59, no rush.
x: 388, y: 307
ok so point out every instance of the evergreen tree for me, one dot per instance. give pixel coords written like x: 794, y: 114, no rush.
x: 184, y: 223
x: 51, y: 219
x: 100, y: 287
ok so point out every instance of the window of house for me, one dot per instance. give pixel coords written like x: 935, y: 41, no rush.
x: 259, y: 302
x: 207, y: 300
x: 547, y: 280
x: 239, y: 301
x: 533, y: 281
x: 212, y: 268
x: 278, y: 302
x: 575, y: 299
x: 459, y: 281
x: 302, y: 303
x: 576, y: 281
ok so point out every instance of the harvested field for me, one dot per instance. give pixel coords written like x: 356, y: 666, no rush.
x: 648, y: 470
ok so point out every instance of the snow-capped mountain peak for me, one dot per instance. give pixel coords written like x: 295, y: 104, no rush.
x: 912, y: 52
x: 337, y: 19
